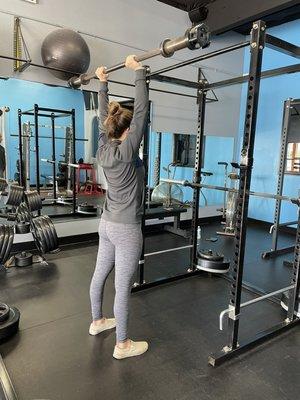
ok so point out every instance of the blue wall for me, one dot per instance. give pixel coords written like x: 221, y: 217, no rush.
x: 274, y: 91
x: 216, y: 149
x: 15, y: 94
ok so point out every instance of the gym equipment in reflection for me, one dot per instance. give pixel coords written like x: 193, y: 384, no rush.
x: 4, y: 156
x: 286, y: 300
x: 205, y: 174
x: 169, y: 201
x: 168, y: 194
x: 62, y: 170
x: 223, y: 209
x: 289, y: 136
x: 230, y: 201
x: 64, y: 174
x: 65, y: 49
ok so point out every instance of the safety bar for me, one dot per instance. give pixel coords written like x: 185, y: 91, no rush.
x: 231, y: 309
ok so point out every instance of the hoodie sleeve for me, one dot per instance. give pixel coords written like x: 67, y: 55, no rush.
x: 128, y: 149
x: 103, y: 112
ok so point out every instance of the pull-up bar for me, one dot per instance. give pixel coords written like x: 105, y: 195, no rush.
x: 194, y: 38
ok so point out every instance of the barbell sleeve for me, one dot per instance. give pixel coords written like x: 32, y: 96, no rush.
x: 195, y: 37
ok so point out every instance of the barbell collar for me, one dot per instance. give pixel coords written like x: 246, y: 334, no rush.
x: 198, y: 37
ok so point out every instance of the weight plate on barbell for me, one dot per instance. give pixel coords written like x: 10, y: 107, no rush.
x: 4, y: 312
x: 208, y: 254
x: 23, y: 259
x: 9, y: 244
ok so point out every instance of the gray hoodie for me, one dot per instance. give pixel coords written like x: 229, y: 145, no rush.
x: 122, y: 167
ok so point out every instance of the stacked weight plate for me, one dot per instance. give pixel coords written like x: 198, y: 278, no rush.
x: 23, y: 213
x: 44, y: 234
x: 213, y: 262
x: 6, y: 242
x: 13, y: 196
x: 33, y: 200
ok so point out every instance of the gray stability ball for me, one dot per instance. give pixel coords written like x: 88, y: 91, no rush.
x: 65, y: 49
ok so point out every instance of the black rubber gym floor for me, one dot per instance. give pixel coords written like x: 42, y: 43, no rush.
x: 53, y: 357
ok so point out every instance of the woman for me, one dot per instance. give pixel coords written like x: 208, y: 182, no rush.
x: 120, y: 236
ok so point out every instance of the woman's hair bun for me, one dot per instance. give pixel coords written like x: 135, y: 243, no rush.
x: 114, y: 109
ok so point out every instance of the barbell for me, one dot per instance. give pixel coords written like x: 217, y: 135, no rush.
x: 294, y: 200
x: 195, y: 37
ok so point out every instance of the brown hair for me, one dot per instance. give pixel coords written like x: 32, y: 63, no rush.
x: 118, y: 120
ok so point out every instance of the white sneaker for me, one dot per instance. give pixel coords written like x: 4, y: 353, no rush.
x: 109, y: 323
x: 135, y: 349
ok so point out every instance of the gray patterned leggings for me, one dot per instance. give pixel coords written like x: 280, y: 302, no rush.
x: 120, y: 246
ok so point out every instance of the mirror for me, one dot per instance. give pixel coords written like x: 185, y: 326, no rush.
x: 47, y: 142
x: 293, y: 142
